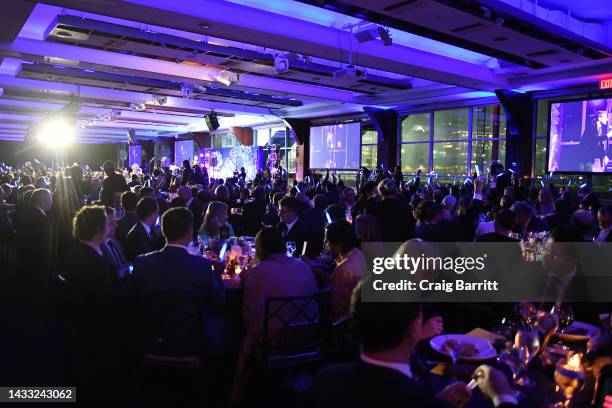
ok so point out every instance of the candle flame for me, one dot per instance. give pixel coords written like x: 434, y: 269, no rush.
x: 574, y: 362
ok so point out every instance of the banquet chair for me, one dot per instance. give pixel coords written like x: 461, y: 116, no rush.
x: 293, y: 330
x: 172, y: 336
x: 172, y: 330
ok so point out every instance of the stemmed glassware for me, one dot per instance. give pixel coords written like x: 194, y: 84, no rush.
x: 526, y: 347
x: 291, y: 247
x: 565, y: 313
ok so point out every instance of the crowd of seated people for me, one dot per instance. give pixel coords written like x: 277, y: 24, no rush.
x: 92, y: 228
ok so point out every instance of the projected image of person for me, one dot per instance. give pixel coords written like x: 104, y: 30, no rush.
x: 593, y: 141
x: 579, y: 136
x: 329, y: 144
x: 335, y: 146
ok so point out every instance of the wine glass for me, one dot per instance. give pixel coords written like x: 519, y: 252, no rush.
x: 528, y: 312
x: 527, y: 344
x: 291, y: 247
x: 565, y: 313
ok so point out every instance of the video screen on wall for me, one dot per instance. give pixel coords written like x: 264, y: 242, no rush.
x: 580, y: 136
x: 335, y: 146
x: 183, y: 150
x: 135, y: 156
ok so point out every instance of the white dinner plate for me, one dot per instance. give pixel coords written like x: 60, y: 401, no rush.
x: 586, y: 332
x: 484, y: 350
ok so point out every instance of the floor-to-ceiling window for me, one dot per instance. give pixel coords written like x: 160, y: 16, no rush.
x: 488, y: 134
x: 278, y: 135
x: 452, y: 142
x: 369, y: 146
x: 415, y: 142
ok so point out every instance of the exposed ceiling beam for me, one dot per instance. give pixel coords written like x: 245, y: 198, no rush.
x: 282, y: 32
x: 127, y: 96
x: 25, y: 47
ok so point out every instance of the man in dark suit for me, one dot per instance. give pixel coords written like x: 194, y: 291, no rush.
x: 111, y: 248
x: 175, y: 273
x: 292, y: 228
x: 388, y: 333
x: 392, y: 214
x: 316, y: 219
x: 194, y: 206
x: 253, y: 211
x: 504, y: 222
x: 114, y: 182
x: 129, y: 201
x: 139, y: 240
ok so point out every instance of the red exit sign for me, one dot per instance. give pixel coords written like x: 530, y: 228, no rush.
x: 605, y: 84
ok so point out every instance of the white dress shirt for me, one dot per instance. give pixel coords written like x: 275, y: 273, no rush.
x: 147, y: 227
x: 289, y: 226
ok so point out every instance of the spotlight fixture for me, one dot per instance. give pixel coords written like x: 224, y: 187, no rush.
x: 56, y: 132
x: 385, y: 35
x: 138, y: 107
x: 281, y: 64
x: 186, y: 91
x: 204, y: 26
x: 227, y: 78
x: 159, y: 100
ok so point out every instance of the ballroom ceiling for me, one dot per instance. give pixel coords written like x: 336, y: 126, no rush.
x: 160, y: 67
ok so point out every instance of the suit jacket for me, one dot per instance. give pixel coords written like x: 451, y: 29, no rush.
x: 359, y: 385
x: 33, y: 237
x: 115, y: 183
x: 299, y: 234
x: 113, y: 253
x: 252, y: 215
x: 137, y: 242
x: 395, y: 219
x: 196, y: 209
x: 174, y: 272
x: 125, y: 224
x: 270, y: 216
x: 314, y: 218
x: 91, y: 283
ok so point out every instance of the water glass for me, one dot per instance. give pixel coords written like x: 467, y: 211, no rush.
x: 291, y: 247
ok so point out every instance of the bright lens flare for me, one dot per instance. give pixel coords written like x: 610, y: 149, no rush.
x: 57, y: 133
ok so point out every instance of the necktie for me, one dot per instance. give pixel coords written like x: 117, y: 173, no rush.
x: 114, y: 254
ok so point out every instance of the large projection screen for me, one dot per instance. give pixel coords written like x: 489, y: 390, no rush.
x: 335, y: 146
x: 580, y: 136
x: 183, y: 150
